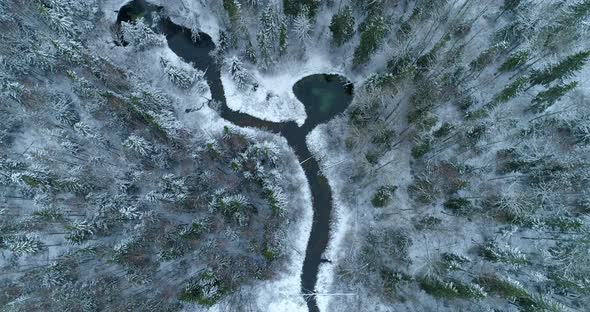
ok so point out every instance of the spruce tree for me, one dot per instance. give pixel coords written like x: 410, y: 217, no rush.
x: 239, y: 74
x: 268, y: 36
x: 575, y: 13
x: 233, y: 10
x: 371, y: 39
x: 511, y: 91
x: 515, y: 60
x: 139, y: 35
x: 295, y: 7
x: 342, y: 26
x: 283, y: 38
x: 24, y: 245
x: 251, y: 53
x: 546, y: 98
x: 182, y: 78
x: 302, y: 26
x: 562, y: 70
x: 291, y: 7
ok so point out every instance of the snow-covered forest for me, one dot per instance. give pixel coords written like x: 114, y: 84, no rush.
x: 459, y: 174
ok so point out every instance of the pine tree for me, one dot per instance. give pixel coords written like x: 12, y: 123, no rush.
x: 547, y: 98
x: 79, y: 232
x: 302, y: 26
x: 382, y: 197
x: 251, y: 53
x: 371, y: 39
x: 138, y: 145
x: 295, y: 7
x: 487, y: 56
x: 268, y: 36
x: 566, y: 28
x: 24, y: 245
x: 492, y: 252
x: 283, y: 38
x: 511, y: 91
x: 515, y: 60
x: 139, y: 35
x: 562, y: 70
x: 57, y: 18
x: 342, y: 26
x: 233, y: 10
x: 269, y: 22
x: 182, y: 78
x: 239, y: 74
x: 575, y: 13
x: 265, y: 47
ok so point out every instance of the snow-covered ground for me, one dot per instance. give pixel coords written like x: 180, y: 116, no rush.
x: 341, y: 213
x: 274, y: 99
x: 348, y: 214
x: 283, y: 292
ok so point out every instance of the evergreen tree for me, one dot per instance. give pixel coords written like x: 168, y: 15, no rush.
x: 268, y: 36
x: 575, y: 13
x: 139, y: 35
x: 183, y: 78
x: 138, y: 145
x: 566, y: 28
x: 233, y: 10
x: 342, y: 26
x: 24, y: 245
x: 382, y: 197
x: 547, y: 98
x: 302, y: 26
x: 511, y: 91
x: 488, y: 56
x: 265, y: 47
x: 562, y: 70
x: 239, y: 74
x: 269, y: 22
x: 291, y: 7
x: 515, y: 60
x: 283, y: 38
x: 492, y: 252
x: 371, y: 39
x: 251, y: 53
x: 79, y: 232
x: 295, y: 7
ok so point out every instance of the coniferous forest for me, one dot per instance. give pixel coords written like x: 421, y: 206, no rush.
x: 295, y: 155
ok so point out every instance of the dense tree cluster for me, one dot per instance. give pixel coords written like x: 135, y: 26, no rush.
x: 465, y: 183
x: 107, y: 201
x: 485, y: 100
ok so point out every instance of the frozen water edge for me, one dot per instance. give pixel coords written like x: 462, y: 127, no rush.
x: 274, y: 99
x: 341, y: 213
x: 283, y: 292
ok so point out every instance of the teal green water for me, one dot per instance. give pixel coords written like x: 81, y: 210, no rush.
x: 325, y: 99
x: 323, y: 95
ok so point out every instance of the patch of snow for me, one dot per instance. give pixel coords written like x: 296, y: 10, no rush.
x: 341, y: 212
x: 274, y: 99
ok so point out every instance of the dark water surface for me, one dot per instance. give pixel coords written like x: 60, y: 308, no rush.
x: 324, y: 96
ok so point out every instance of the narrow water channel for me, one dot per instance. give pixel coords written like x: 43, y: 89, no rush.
x: 324, y: 96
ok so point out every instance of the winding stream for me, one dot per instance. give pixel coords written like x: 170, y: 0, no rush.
x: 324, y: 96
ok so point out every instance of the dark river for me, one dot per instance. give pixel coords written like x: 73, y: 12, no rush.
x: 324, y: 97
